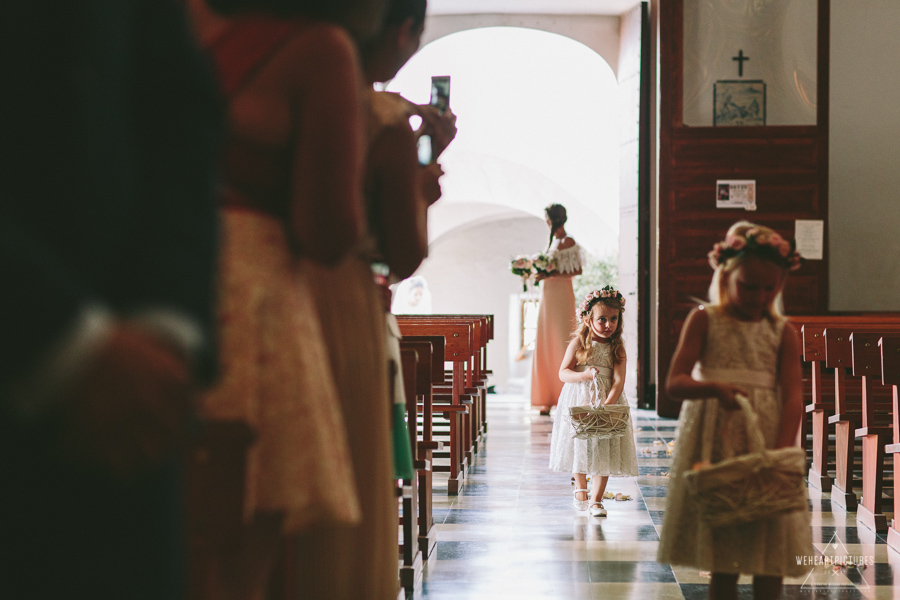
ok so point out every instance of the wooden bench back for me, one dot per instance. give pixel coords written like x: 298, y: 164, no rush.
x: 889, y: 347
x: 866, y: 355
x: 459, y: 343
x: 424, y: 364
x: 839, y: 348
x: 812, y: 328
x: 437, y: 353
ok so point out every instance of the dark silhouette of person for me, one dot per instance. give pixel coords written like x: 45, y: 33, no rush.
x: 109, y: 124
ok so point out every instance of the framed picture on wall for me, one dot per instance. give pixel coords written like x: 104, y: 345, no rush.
x: 739, y: 103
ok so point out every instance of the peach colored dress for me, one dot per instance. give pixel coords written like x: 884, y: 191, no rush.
x: 556, y: 322
x: 351, y: 563
x: 276, y: 372
x: 358, y: 562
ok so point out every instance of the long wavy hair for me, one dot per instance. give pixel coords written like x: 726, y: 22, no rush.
x: 584, y: 335
x: 556, y: 214
x: 718, y: 288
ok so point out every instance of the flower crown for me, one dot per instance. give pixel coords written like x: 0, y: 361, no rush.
x: 594, y: 297
x: 770, y: 246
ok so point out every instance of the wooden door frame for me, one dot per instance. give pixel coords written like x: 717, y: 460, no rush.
x: 671, y: 124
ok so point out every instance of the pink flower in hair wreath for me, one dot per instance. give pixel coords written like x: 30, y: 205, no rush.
x: 771, y: 245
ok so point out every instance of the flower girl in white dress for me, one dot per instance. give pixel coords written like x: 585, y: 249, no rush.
x: 595, y: 352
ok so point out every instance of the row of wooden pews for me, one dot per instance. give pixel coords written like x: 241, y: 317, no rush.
x: 852, y: 364
x: 446, y: 419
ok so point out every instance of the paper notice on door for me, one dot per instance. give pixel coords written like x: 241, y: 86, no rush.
x: 736, y: 193
x: 809, y: 236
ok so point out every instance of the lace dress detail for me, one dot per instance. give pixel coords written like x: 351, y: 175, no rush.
x: 615, y: 457
x: 568, y: 260
x: 768, y: 547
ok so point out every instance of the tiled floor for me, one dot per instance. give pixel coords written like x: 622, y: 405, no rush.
x: 512, y: 532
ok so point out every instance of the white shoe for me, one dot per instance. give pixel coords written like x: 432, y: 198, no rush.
x: 597, y: 509
x: 580, y: 504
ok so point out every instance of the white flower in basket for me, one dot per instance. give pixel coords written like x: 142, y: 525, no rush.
x: 751, y: 487
x: 598, y: 421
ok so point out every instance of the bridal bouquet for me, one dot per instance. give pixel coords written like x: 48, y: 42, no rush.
x: 543, y: 264
x: 523, y: 267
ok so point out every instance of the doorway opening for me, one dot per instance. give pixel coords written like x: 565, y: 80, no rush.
x: 539, y: 119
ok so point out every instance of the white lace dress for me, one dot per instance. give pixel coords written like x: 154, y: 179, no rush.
x: 568, y: 454
x: 746, y: 354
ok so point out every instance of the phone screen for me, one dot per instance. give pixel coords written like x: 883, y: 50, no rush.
x: 440, y: 92
x: 424, y: 148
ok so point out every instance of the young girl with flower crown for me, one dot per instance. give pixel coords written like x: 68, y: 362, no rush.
x: 737, y: 344
x: 597, y: 353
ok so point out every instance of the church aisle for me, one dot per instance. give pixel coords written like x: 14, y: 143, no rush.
x: 513, y: 533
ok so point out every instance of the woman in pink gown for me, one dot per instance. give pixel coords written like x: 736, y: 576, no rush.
x: 556, y: 317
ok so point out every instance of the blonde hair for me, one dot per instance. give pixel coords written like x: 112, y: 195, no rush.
x: 584, y: 334
x: 718, y: 288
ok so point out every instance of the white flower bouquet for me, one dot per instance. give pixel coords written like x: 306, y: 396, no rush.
x: 543, y: 264
x: 523, y: 267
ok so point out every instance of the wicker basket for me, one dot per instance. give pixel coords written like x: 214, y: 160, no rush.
x: 751, y: 487
x: 599, y: 422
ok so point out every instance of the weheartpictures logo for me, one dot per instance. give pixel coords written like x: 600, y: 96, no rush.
x: 836, y: 567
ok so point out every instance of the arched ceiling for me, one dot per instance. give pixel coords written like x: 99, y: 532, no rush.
x: 556, y: 7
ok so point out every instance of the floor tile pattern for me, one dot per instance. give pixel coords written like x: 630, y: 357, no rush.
x: 512, y: 532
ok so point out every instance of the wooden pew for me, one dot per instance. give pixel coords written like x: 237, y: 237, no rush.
x: 821, y: 399
x: 430, y: 359
x: 889, y: 347
x: 875, y: 432
x: 477, y: 372
x: 848, y: 404
x: 411, y: 566
x: 819, y: 406
x: 457, y: 350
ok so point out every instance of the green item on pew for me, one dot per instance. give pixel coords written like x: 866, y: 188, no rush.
x: 403, y: 460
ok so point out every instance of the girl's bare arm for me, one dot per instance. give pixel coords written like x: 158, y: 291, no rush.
x: 618, y: 381
x: 679, y: 383
x: 567, y: 372
x: 791, y: 389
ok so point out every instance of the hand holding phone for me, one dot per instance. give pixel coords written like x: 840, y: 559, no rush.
x: 425, y: 150
x: 440, y: 92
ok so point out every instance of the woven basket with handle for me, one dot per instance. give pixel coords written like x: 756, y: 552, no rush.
x: 598, y: 421
x: 751, y: 487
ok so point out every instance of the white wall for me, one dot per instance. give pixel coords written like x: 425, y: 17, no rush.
x: 468, y: 272
x: 864, y: 156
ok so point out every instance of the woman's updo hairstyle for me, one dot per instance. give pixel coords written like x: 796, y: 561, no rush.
x: 556, y: 214
x: 362, y: 18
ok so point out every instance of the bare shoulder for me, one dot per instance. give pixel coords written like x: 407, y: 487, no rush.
x: 697, y: 322
x: 322, y: 49
x: 567, y: 243
x: 790, y: 340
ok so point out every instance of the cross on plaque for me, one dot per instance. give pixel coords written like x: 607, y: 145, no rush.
x: 740, y: 58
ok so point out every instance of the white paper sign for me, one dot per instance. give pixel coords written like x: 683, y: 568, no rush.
x: 809, y: 236
x: 736, y: 193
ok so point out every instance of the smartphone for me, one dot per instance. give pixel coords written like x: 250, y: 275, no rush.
x: 426, y: 154
x: 440, y: 92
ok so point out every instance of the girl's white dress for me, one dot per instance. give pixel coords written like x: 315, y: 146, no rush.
x: 568, y: 454
x: 746, y: 354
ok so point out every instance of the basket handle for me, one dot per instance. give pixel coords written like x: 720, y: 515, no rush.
x: 755, y: 438
x: 594, y: 391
